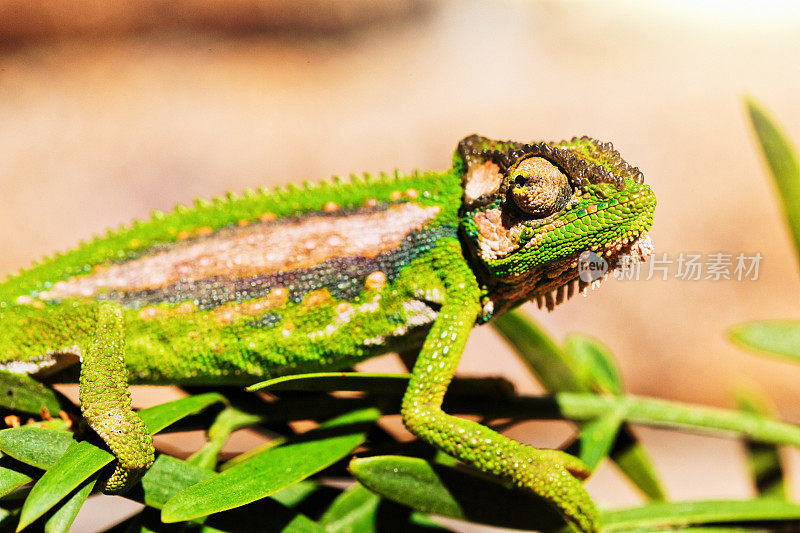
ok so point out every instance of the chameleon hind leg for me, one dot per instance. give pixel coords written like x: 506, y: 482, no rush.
x: 551, y: 474
x: 106, y: 401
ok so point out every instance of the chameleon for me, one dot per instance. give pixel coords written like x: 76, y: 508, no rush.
x: 321, y: 276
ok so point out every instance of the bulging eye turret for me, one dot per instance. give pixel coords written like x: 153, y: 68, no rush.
x: 538, y: 187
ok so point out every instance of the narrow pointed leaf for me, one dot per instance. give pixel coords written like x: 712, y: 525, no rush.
x: 11, y: 476
x: 38, y: 447
x: 447, y: 491
x: 167, y: 477
x: 597, y: 361
x: 5, y: 518
x: 420, y: 522
x: 245, y: 456
x: 379, y: 383
x: 80, y: 461
x: 681, y: 514
x: 20, y: 392
x: 763, y: 459
x: 632, y: 458
x: 354, y: 510
x: 773, y: 337
x: 339, y: 381
x: 598, y: 436
x: 227, y: 421
x: 556, y: 369
x: 273, y: 469
x: 783, y: 165
x: 160, y: 416
x: 62, y: 519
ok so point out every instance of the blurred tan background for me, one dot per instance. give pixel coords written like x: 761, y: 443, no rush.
x: 108, y: 112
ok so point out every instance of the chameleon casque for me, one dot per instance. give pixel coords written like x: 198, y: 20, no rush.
x: 320, y: 277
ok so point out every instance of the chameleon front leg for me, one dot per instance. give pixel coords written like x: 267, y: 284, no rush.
x: 106, y: 401
x: 550, y: 474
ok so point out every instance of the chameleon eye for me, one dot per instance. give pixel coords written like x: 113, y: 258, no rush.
x: 539, y: 187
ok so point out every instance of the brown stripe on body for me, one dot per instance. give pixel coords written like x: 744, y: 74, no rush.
x: 256, y: 250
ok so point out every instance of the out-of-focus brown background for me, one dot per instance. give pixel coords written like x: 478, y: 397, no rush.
x: 107, y: 112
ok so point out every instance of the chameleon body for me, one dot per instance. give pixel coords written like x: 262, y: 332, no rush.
x: 322, y: 276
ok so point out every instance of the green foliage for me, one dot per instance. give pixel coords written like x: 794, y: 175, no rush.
x: 273, y: 469
x: 779, y: 338
x: 19, y: 392
x: 298, y: 480
x: 776, y: 337
x: 79, y: 462
x: 162, y: 416
x: 783, y: 164
x: 762, y: 514
x: 284, y: 485
x: 447, y: 491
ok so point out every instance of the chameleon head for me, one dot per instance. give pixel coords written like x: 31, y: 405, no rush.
x: 531, y: 212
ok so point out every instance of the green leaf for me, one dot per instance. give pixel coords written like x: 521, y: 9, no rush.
x: 20, y: 392
x: 11, y: 475
x: 680, y: 514
x: 354, y: 511
x: 554, y: 368
x: 80, y: 461
x: 420, y: 522
x: 764, y: 459
x: 337, y: 381
x: 598, y: 436
x: 294, y: 494
x: 227, y: 421
x: 167, y: 477
x: 447, y: 491
x: 597, y: 362
x: 783, y: 165
x: 160, y: 416
x: 252, y: 452
x: 273, y: 469
x: 62, y: 519
x: 380, y: 383
x: 6, y: 517
x: 773, y: 337
x: 35, y: 446
x: 632, y: 458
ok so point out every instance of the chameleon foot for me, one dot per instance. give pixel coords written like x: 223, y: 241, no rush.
x: 550, y: 474
x: 106, y: 402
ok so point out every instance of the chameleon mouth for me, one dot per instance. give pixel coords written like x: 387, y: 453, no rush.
x: 620, y: 254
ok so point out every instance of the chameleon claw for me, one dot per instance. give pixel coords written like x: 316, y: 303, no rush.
x: 550, y: 476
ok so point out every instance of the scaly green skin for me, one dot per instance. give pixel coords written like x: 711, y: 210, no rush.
x: 320, y: 277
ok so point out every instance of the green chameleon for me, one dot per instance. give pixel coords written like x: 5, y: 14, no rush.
x: 319, y: 277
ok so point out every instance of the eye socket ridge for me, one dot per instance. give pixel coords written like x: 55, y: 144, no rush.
x: 539, y: 188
